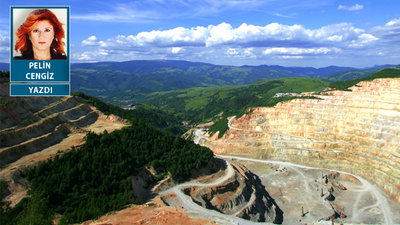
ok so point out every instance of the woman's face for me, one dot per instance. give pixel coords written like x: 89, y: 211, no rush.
x: 42, y: 36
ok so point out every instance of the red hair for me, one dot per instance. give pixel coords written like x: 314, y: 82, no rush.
x: 24, y: 45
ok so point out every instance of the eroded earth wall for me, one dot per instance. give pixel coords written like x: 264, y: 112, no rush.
x: 356, y: 131
x: 241, y: 195
x: 31, y: 124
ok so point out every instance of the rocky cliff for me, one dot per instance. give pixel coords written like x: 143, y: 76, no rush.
x: 242, y: 195
x: 356, y: 131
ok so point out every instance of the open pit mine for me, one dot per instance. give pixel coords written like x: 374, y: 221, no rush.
x: 356, y: 132
x: 241, y: 195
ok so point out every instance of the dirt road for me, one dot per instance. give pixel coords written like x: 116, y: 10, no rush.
x: 367, y: 187
x: 193, y: 208
x: 380, y: 200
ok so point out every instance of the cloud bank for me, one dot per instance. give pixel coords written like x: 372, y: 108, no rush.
x: 343, y: 35
x: 263, y: 43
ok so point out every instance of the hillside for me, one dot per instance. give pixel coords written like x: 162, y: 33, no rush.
x: 196, y: 105
x: 355, y: 74
x: 76, y: 166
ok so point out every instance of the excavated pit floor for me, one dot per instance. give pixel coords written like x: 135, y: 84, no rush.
x: 295, y: 187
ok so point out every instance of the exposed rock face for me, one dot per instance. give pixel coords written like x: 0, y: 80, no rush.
x: 242, y: 195
x: 140, y: 183
x: 212, y: 167
x: 32, y: 124
x: 357, y: 131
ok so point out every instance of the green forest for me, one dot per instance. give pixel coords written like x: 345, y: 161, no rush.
x: 4, y: 73
x: 201, y: 104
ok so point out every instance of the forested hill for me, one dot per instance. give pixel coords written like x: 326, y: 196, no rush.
x: 385, y: 73
x: 201, y: 104
x: 96, y: 177
x: 134, y: 79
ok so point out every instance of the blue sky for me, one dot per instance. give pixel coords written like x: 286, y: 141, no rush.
x: 314, y: 33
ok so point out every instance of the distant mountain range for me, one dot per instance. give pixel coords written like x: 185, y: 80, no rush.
x: 151, y: 66
x: 308, y: 71
x: 198, y: 68
x: 355, y: 74
x: 140, y: 77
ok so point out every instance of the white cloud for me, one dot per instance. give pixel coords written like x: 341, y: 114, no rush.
x: 90, y: 56
x: 4, y: 40
x: 335, y: 38
x: 90, y: 41
x: 388, y: 33
x: 281, y: 15
x: 299, y: 51
x: 291, y: 57
x: 4, y: 50
x: 232, y: 51
x: 176, y: 50
x: 355, y: 7
x: 4, y: 47
x: 363, y: 40
x: 243, y: 53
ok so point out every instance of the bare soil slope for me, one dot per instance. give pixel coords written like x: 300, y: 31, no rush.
x: 155, y: 212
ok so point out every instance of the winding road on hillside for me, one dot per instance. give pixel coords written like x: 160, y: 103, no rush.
x: 211, y: 214
x: 380, y: 199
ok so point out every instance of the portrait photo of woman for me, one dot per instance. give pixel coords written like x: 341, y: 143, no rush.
x: 40, y: 37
